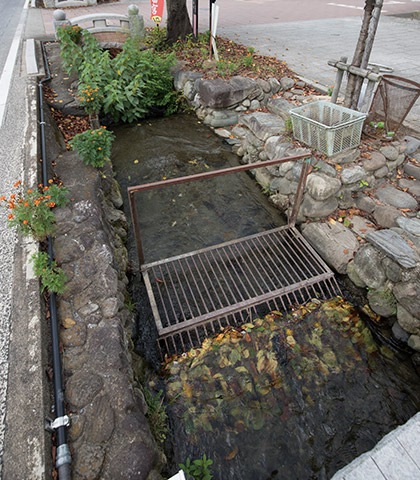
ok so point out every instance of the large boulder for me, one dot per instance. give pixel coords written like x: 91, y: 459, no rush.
x: 394, y: 246
x: 396, y: 198
x: 368, y: 266
x: 218, y: 93
x: 263, y: 125
x: 336, y: 244
x: 321, y: 187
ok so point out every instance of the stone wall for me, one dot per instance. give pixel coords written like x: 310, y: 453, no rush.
x: 109, y: 435
x: 373, y: 195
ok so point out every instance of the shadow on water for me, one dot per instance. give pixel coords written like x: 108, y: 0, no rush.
x: 290, y: 397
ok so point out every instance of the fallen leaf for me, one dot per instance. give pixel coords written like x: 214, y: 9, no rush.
x: 346, y: 251
x: 68, y: 323
x: 232, y: 454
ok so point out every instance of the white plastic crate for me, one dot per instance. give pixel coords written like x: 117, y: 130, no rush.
x: 326, y: 127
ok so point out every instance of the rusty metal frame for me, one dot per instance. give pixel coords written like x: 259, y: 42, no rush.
x: 224, y: 284
x: 216, y: 173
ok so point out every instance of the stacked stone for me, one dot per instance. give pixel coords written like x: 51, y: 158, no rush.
x: 109, y: 434
x: 218, y: 102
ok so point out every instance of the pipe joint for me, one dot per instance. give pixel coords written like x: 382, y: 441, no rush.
x: 63, y: 455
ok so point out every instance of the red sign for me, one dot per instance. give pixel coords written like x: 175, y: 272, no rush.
x: 157, y: 10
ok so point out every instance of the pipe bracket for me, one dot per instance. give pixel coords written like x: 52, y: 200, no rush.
x: 52, y: 425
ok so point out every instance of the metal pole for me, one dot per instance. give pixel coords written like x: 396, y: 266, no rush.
x: 136, y: 225
x: 214, y: 173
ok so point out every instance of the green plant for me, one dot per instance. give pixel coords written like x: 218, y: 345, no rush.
x: 198, y: 469
x: 288, y: 126
x: 155, y: 38
x: 363, y: 183
x: 52, y: 277
x: 71, y: 52
x: 330, y: 91
x: 94, y: 146
x: 248, y: 61
x: 30, y: 209
x: 156, y: 414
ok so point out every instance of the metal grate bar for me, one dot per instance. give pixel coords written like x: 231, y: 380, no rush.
x: 195, y: 294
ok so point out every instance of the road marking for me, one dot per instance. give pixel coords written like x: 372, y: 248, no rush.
x: 6, y: 75
x: 345, y: 6
x: 354, y: 7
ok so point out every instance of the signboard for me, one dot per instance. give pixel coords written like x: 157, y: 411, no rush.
x: 157, y: 10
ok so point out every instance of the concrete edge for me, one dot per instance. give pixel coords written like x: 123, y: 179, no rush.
x: 358, y: 463
x: 27, y: 446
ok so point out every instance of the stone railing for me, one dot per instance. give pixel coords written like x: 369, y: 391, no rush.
x: 104, y: 24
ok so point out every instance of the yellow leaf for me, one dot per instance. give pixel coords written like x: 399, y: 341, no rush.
x: 232, y: 454
x: 260, y: 364
x: 332, y: 221
x: 291, y: 341
x: 187, y: 390
x: 68, y: 323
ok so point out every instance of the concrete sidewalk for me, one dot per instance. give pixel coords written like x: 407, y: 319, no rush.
x: 306, y: 46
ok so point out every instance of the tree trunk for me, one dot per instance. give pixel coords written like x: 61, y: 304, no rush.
x: 178, y: 24
x: 373, y: 26
x: 358, y: 53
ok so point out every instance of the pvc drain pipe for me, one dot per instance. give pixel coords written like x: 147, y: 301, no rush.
x: 59, y: 425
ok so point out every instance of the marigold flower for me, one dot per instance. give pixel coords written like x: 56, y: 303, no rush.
x: 50, y: 180
x: 17, y: 183
x: 99, y: 133
x: 99, y: 148
x: 2, y: 198
x: 10, y: 216
x: 46, y: 188
x: 30, y: 190
x: 48, y: 197
x: 51, y: 204
x: 25, y: 222
x: 37, y: 202
x: 13, y: 196
x: 26, y: 204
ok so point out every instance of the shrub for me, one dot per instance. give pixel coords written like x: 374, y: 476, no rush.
x: 30, y: 210
x: 126, y: 87
x: 52, y: 277
x: 94, y: 146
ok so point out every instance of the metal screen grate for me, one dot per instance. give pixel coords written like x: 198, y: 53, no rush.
x: 195, y: 294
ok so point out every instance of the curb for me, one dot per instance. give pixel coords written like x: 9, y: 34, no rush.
x: 27, y: 445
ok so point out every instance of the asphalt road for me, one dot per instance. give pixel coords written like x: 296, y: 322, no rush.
x: 9, y: 19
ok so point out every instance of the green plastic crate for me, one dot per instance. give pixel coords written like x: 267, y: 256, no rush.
x: 326, y: 127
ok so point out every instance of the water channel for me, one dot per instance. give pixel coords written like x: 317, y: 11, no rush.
x: 296, y: 395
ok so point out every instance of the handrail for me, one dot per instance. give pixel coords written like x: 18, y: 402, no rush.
x: 215, y: 173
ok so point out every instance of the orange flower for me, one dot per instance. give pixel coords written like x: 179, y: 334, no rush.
x: 13, y: 196
x: 50, y: 180
x: 26, y: 204
x: 51, y: 204
x: 30, y: 191
x: 99, y: 148
x: 10, y: 216
x: 2, y: 198
x: 37, y: 202
x: 25, y: 222
x: 17, y: 183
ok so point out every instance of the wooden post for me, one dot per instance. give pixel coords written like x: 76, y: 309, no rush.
x: 338, y: 81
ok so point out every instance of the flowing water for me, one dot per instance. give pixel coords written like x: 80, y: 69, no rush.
x: 289, y: 396
x: 186, y: 217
